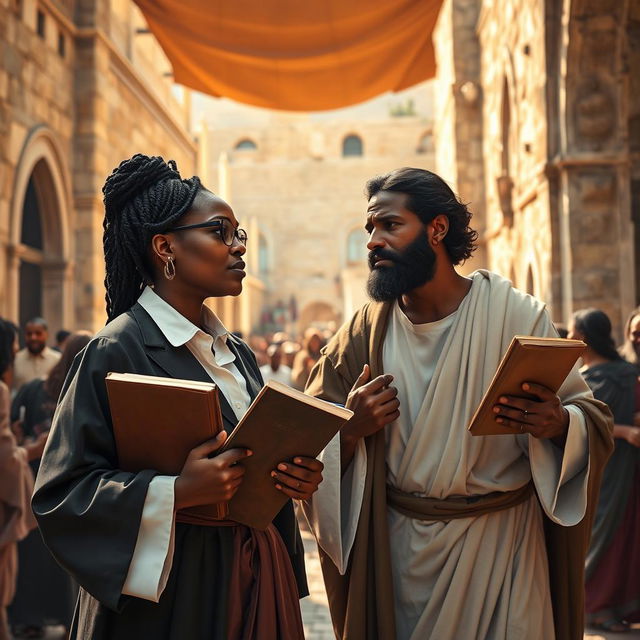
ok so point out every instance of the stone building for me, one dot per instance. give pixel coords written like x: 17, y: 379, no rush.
x: 296, y: 183
x: 83, y: 85
x: 538, y: 125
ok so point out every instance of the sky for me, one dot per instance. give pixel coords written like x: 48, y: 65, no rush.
x: 222, y: 112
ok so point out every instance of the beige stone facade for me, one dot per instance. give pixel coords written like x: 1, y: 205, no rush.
x: 83, y: 85
x: 296, y: 184
x: 545, y: 92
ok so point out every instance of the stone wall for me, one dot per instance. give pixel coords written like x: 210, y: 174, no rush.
x: 70, y: 113
x: 560, y: 169
x: 513, y: 78
x: 458, y: 117
x: 596, y: 156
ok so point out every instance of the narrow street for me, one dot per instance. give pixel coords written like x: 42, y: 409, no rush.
x: 315, y: 611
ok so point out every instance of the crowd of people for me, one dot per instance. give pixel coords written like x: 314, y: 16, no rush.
x: 286, y: 359
x: 35, y: 591
x: 173, y: 576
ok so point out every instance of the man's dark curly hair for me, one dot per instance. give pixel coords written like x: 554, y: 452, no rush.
x: 429, y: 196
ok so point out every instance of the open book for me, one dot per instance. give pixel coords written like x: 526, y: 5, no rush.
x: 545, y: 361
x: 281, y: 423
x: 157, y: 421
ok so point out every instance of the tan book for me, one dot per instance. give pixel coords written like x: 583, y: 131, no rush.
x: 545, y: 361
x: 281, y: 423
x: 158, y: 421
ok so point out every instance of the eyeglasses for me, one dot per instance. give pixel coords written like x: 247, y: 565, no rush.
x: 227, y: 231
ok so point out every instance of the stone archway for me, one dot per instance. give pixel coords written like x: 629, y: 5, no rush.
x: 318, y: 314
x: 598, y: 243
x: 39, y: 260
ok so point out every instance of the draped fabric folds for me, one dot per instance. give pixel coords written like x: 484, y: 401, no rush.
x: 298, y: 56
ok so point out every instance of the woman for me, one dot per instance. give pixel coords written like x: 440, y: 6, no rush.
x: 630, y: 350
x: 613, y: 562
x: 141, y: 576
x: 44, y: 592
x: 16, y: 483
x: 307, y: 357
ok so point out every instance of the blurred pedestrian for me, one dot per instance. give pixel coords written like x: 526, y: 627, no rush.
x: 44, y: 592
x: 16, y: 484
x: 613, y: 561
x: 276, y: 370
x: 36, y: 359
x: 289, y: 350
x: 61, y: 339
x: 307, y: 357
x: 630, y: 350
x: 259, y: 346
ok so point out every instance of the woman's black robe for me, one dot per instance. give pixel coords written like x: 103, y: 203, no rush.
x: 89, y: 511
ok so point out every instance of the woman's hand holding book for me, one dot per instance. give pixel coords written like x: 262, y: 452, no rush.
x: 205, y: 480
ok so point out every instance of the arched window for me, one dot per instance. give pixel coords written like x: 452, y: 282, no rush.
x: 263, y: 255
x: 352, y: 146
x: 504, y: 181
x: 246, y: 145
x: 357, y: 246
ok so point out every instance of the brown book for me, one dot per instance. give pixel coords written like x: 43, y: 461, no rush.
x: 158, y: 421
x: 545, y: 361
x: 281, y: 423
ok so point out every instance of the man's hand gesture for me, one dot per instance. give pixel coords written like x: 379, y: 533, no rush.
x: 374, y: 404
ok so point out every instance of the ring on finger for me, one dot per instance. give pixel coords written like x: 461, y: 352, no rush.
x: 525, y: 413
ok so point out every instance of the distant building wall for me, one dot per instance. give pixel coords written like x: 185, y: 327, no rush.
x: 305, y: 193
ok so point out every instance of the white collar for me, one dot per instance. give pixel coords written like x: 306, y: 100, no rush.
x: 175, y: 327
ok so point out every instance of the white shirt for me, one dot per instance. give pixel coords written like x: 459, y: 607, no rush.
x: 28, y: 366
x: 434, y: 561
x: 153, y: 555
x: 283, y: 374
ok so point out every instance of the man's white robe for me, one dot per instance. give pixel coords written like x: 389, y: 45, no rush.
x: 482, y: 577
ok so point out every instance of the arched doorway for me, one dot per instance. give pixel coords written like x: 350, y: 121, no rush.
x: 318, y: 314
x: 39, y: 278
x: 32, y: 256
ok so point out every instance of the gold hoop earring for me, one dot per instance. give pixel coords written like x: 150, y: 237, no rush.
x: 169, y: 269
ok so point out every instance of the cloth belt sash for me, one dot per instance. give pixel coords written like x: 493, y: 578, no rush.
x: 263, y: 594
x: 435, y: 509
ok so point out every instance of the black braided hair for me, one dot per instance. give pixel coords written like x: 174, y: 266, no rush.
x: 143, y: 196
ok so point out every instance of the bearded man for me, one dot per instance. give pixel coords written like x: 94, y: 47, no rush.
x: 36, y: 360
x: 424, y: 530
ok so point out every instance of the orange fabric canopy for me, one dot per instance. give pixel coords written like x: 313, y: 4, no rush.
x: 300, y: 55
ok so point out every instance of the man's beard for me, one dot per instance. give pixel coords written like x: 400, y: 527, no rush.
x: 35, y: 348
x: 412, y: 268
